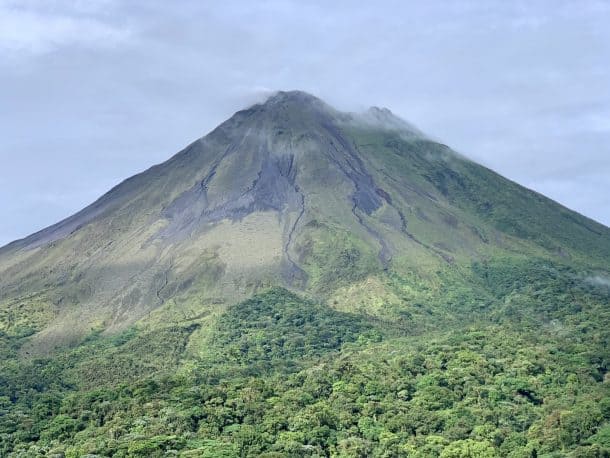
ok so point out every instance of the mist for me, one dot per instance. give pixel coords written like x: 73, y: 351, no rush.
x: 598, y: 280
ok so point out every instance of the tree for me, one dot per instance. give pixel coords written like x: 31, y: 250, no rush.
x: 469, y: 449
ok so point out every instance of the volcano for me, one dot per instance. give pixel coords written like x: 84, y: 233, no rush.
x: 356, y: 215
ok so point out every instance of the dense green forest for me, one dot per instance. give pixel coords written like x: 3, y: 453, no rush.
x: 509, y: 361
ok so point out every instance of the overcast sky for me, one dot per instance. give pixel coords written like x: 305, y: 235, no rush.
x: 94, y: 91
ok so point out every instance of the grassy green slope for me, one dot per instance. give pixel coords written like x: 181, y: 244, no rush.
x: 472, y: 205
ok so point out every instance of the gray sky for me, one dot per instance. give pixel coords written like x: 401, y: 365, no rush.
x: 93, y: 91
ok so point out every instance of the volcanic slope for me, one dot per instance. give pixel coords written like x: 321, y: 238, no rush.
x: 292, y: 193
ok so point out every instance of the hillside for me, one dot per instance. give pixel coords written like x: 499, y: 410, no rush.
x: 307, y: 282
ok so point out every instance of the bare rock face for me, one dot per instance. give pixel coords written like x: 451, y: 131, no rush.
x: 290, y: 192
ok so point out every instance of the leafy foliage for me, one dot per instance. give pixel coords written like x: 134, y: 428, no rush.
x: 278, y: 328
x: 279, y: 375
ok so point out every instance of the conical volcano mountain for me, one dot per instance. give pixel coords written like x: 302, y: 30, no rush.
x: 292, y: 193
x: 300, y: 249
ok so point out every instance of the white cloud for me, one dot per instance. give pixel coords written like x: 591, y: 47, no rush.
x: 598, y: 280
x: 39, y: 27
